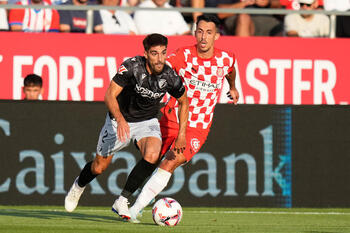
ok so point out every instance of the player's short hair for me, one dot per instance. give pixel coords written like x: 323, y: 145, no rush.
x: 33, y: 80
x: 209, y: 18
x: 154, y: 40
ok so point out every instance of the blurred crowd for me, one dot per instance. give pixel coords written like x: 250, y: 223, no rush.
x: 165, y: 22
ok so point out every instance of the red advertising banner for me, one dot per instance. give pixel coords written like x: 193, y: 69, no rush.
x: 270, y: 70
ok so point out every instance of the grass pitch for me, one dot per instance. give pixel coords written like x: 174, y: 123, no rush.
x: 53, y: 219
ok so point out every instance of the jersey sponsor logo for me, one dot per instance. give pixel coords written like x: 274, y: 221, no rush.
x: 144, y: 92
x: 162, y: 83
x: 122, y: 69
x: 205, y: 86
x: 195, y: 144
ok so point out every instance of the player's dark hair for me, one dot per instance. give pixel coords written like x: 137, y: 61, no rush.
x: 209, y: 18
x: 33, y: 80
x: 154, y: 40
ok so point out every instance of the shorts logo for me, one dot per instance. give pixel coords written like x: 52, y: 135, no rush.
x: 195, y: 144
x: 220, y: 72
x: 122, y: 69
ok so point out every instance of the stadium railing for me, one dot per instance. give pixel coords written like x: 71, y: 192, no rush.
x: 91, y: 8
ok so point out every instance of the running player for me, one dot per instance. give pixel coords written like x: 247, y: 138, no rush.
x: 203, y: 69
x: 133, y: 102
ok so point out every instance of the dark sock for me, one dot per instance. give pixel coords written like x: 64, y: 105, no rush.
x: 86, y: 176
x: 138, y: 175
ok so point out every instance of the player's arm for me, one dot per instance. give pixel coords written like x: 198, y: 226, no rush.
x: 111, y: 95
x: 180, y: 142
x: 231, y: 78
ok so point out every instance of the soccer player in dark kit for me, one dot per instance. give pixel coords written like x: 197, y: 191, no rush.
x: 133, y: 100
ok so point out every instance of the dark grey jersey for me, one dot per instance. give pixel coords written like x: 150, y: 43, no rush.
x: 142, y: 92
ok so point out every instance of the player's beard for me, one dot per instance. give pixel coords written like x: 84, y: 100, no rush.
x: 156, y: 68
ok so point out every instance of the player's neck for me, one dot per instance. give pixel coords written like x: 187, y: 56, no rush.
x: 149, y: 70
x: 205, y: 54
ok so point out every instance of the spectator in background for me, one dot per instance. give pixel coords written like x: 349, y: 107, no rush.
x: 259, y: 25
x: 249, y: 25
x: 34, y: 20
x: 307, y: 25
x: 4, y: 26
x: 163, y: 22
x: 32, y: 87
x: 116, y: 21
x: 130, y: 3
x: 294, y: 4
x: 339, y: 5
x: 290, y: 4
x: 201, y: 4
x: 343, y: 22
x: 183, y: 3
x: 76, y: 20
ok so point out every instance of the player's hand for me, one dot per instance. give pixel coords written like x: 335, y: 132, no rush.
x: 123, y: 130
x: 180, y: 144
x: 233, y: 95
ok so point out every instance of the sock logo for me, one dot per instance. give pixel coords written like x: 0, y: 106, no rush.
x: 195, y: 144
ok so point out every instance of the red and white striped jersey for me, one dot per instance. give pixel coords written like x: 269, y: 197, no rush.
x: 203, y: 79
x: 35, y: 20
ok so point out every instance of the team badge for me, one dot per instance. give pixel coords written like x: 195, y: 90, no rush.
x: 122, y: 69
x: 220, y: 72
x: 162, y: 83
x: 195, y: 144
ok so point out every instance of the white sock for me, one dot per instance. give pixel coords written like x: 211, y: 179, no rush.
x: 152, y: 188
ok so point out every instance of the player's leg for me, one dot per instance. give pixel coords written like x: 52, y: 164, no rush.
x: 107, y: 145
x: 149, y: 142
x: 150, y: 150
x: 90, y: 171
x: 159, y: 180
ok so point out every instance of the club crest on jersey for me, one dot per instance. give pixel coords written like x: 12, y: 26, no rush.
x: 122, y: 69
x: 220, y: 72
x: 195, y: 144
x: 143, y: 76
x: 162, y: 83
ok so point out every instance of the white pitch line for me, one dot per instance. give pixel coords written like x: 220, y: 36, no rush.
x: 272, y: 212
x: 210, y: 211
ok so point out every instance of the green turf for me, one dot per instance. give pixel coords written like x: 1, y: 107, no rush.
x: 49, y: 219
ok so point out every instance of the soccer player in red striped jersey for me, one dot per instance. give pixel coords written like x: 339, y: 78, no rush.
x: 203, y: 69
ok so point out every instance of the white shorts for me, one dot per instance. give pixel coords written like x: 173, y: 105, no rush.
x: 108, y: 142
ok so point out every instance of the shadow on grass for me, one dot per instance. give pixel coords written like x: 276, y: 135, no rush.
x: 45, y: 214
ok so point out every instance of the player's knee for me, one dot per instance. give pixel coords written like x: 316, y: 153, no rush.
x: 152, y: 157
x: 98, y: 169
x: 173, y: 160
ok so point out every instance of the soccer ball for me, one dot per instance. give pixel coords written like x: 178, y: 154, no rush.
x: 167, y: 212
